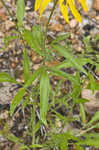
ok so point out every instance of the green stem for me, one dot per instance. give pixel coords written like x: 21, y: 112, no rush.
x: 33, y: 117
x: 52, y: 11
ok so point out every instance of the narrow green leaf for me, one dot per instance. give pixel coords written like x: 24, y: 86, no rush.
x: 20, y: 11
x: 79, y: 60
x: 83, y: 61
x: 8, y: 39
x: 37, y: 126
x: 69, y: 57
x: 92, y: 83
x: 64, y: 75
x: 44, y: 95
x: 33, y: 77
x: 76, y: 88
x: 64, y: 64
x: 64, y: 145
x: 93, y: 135
x: 82, y: 113
x: 38, y: 35
x: 78, y: 147
x: 90, y: 142
x: 94, y: 118
x: 20, y: 94
x: 4, y: 77
x: 13, y: 138
x: 35, y: 146
x: 26, y: 101
x: 88, y: 46
x: 81, y: 100
x: 60, y: 38
x: 32, y: 42
x: 16, y: 101
x: 23, y: 147
x: 26, y: 66
x: 76, y: 92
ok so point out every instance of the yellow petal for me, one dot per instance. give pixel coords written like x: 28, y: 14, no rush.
x: 74, y: 10
x: 43, y: 6
x: 64, y: 10
x: 84, y: 5
x: 37, y: 4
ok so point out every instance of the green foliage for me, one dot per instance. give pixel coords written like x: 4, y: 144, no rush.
x: 38, y: 91
x: 83, y: 114
x: 8, y: 39
x: 34, y: 39
x: 44, y: 95
x: 17, y: 99
x: 26, y: 65
x: 94, y: 118
x: 69, y: 57
x: 60, y: 38
x: 4, y: 77
x: 20, y: 11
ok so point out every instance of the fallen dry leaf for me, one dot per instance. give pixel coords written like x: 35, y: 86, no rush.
x: 56, y: 27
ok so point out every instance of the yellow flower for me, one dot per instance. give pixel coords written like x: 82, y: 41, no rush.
x: 64, y: 5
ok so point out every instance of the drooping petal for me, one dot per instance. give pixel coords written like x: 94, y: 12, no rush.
x: 43, y: 6
x: 84, y: 5
x: 37, y: 4
x: 64, y: 10
x: 74, y: 10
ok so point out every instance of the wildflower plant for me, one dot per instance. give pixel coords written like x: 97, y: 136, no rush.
x: 44, y: 98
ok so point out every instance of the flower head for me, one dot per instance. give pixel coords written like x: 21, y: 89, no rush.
x: 64, y: 4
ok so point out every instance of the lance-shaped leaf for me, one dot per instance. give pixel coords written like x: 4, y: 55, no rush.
x: 44, y: 95
x: 16, y: 101
x: 32, y: 41
x: 4, y: 77
x: 94, y: 118
x: 20, y: 11
x: 26, y: 66
x: 33, y: 77
x: 63, y: 51
x: 64, y: 75
x: 60, y: 38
